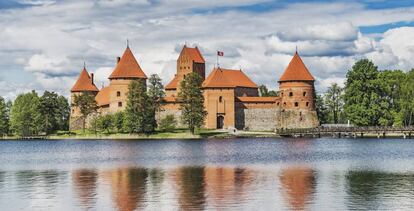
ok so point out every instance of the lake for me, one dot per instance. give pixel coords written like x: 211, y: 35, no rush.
x: 231, y: 174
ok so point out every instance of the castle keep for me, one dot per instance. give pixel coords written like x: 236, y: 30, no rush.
x: 231, y: 98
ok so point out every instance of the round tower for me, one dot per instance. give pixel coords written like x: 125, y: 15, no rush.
x: 84, y: 84
x: 297, y: 94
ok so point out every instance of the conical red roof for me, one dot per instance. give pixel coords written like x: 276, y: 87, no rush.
x: 84, y: 83
x: 127, y: 67
x: 296, y: 71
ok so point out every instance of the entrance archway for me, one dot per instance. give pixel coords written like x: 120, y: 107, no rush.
x: 220, y: 122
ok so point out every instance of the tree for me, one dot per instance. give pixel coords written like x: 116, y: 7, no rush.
x: 25, y: 118
x: 264, y: 92
x: 63, y: 113
x: 363, y: 101
x: 192, y: 101
x: 4, y: 117
x: 321, y: 110
x: 54, y: 110
x: 86, y: 104
x: 138, y: 111
x: 105, y: 123
x: 155, y: 94
x: 406, y: 102
x: 118, y: 121
x: 333, y: 100
x: 167, y: 124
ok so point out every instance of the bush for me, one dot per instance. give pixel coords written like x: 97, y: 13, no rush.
x: 167, y: 124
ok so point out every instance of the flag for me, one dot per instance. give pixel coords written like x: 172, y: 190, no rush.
x: 220, y: 53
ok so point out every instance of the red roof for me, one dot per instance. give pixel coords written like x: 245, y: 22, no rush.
x: 127, y: 67
x: 102, y: 98
x: 84, y: 83
x: 173, y: 84
x: 258, y: 99
x: 194, y: 54
x: 296, y: 71
x: 225, y: 78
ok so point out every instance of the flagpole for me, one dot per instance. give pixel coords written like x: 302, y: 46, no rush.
x: 217, y: 53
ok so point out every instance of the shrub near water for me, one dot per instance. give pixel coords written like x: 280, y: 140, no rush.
x: 167, y: 124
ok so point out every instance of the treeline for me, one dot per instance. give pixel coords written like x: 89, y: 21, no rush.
x: 370, y: 98
x: 31, y: 114
x: 143, y: 103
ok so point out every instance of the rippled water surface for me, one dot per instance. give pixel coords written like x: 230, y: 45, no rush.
x: 239, y: 174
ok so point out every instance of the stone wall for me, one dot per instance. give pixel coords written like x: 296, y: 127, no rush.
x: 255, y: 117
x: 175, y: 112
x: 293, y: 118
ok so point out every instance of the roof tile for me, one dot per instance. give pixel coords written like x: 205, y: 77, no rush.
x: 127, y: 67
x: 296, y: 71
x: 84, y: 83
x: 225, y: 78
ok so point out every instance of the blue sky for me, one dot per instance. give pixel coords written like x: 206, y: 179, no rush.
x: 45, y: 42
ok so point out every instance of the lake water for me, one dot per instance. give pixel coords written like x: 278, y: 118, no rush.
x: 239, y: 174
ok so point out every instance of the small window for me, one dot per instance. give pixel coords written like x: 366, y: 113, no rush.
x: 119, y: 104
x: 118, y: 94
x: 278, y: 104
x: 307, y: 104
x: 220, y: 99
x: 284, y: 104
x: 296, y: 104
x: 290, y: 94
x: 304, y: 94
x: 73, y: 111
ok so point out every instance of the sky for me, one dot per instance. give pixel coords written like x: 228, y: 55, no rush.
x: 44, y: 43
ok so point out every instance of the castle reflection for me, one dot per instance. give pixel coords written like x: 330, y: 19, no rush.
x: 298, y: 184
x: 84, y: 182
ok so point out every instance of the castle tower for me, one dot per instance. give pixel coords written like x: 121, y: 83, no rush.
x: 190, y: 60
x: 84, y: 84
x: 297, y: 92
x: 127, y: 69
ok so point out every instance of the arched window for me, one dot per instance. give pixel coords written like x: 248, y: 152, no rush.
x: 304, y: 94
x: 220, y: 99
x: 307, y: 104
x: 296, y: 104
x: 290, y: 94
x: 118, y: 94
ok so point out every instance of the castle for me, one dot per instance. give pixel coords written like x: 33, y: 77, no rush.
x: 231, y: 98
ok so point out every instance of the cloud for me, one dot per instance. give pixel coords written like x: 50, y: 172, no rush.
x: 50, y: 41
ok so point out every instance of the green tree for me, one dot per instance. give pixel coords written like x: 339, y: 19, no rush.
x: 406, y: 102
x: 25, y: 118
x: 155, y: 94
x: 363, y: 100
x: 4, y: 118
x: 86, y: 104
x: 192, y: 101
x: 138, y: 116
x: 321, y: 109
x: 63, y: 113
x: 264, y: 92
x: 390, y: 85
x: 118, y: 120
x: 54, y: 110
x: 167, y: 124
x: 333, y: 101
x: 106, y: 123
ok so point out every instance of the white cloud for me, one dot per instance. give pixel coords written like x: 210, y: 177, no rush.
x: 51, y: 42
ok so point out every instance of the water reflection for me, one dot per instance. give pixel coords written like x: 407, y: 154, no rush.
x: 85, y: 182
x: 190, y: 182
x: 128, y: 187
x: 298, y: 186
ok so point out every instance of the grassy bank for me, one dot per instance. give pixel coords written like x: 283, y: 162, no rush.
x: 175, y: 134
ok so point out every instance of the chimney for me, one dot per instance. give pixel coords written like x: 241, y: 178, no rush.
x: 92, y: 77
x: 118, y: 59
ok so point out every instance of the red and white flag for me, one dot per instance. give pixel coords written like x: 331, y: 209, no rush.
x: 220, y: 53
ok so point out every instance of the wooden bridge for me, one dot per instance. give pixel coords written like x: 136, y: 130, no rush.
x: 353, y: 132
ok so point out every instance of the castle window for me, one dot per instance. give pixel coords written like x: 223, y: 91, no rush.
x: 73, y: 111
x: 119, y: 104
x: 304, y: 94
x: 278, y: 104
x: 296, y: 104
x: 118, y: 94
x: 290, y: 94
x: 284, y: 104
x: 307, y: 104
x: 220, y: 99
x: 282, y: 94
